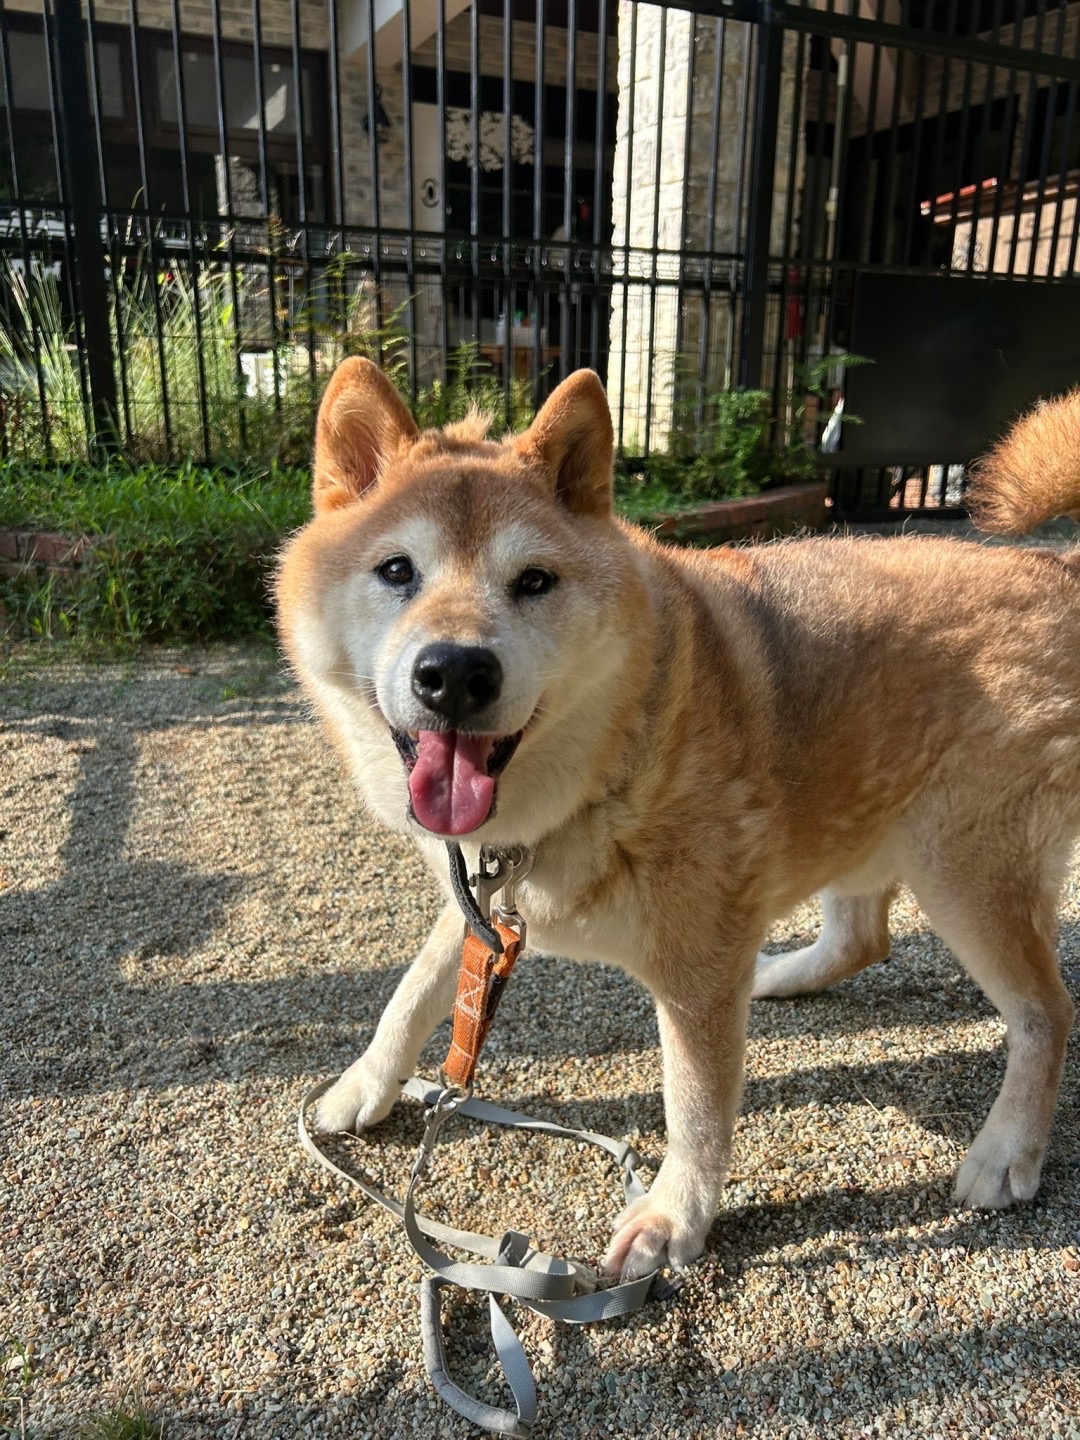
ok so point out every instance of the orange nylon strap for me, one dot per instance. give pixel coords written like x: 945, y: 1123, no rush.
x: 480, y: 983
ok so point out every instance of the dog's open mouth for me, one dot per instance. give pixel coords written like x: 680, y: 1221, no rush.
x: 452, y: 776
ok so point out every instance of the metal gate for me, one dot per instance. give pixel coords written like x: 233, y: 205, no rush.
x: 203, y: 206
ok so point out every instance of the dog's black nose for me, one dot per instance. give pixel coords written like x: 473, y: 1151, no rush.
x: 455, y: 681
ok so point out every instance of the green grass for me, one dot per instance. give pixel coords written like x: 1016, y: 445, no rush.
x: 121, y: 1424
x: 182, y: 553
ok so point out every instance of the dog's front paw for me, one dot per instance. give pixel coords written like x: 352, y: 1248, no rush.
x: 1004, y: 1165
x: 650, y: 1231
x: 364, y: 1095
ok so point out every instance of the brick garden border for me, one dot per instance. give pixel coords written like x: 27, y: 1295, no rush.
x: 41, y: 554
x: 784, y: 511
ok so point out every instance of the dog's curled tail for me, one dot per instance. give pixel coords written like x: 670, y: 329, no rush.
x: 1034, y: 473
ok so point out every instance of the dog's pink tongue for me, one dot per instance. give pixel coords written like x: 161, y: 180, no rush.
x: 449, y: 785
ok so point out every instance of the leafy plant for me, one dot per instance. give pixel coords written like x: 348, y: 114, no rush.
x: 728, y: 444
x: 204, y: 368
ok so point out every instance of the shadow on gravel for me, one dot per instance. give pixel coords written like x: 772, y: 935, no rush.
x: 76, y: 931
x: 821, y: 1387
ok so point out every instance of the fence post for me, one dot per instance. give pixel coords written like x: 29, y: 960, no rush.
x: 86, y: 252
x: 768, y: 75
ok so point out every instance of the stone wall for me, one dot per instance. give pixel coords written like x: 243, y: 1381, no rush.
x: 679, y: 163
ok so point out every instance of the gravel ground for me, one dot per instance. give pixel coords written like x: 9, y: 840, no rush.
x: 198, y: 923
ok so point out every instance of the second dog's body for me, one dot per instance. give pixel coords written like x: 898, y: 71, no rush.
x: 690, y: 743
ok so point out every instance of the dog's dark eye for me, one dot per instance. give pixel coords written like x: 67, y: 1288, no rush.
x: 534, y: 581
x: 397, y: 571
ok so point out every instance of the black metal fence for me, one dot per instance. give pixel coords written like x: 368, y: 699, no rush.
x: 205, y: 203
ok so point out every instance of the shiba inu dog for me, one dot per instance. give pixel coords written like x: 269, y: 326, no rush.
x: 692, y: 742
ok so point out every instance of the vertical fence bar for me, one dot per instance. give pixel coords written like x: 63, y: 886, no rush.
x: 1028, y: 133
x: 506, y: 289
x: 202, y: 400
x: 709, y: 237
x: 475, y: 101
x: 770, y: 38
x: 632, y: 87
x: 1063, y: 167
x: 654, y: 259
x: 24, y: 245
x: 791, y: 286
x: 112, y: 239
x: 226, y: 194
x: 410, y: 212
x: 336, y: 275
x: 1044, y: 160
x: 961, y: 153
x: 440, y: 104
x: 84, y: 207
x: 1005, y: 158
x: 567, y: 307
x: 68, y: 266
x: 685, y: 236
x: 273, y: 239
x: 741, y: 180
x: 539, y: 238
x: 984, y: 143
x: 149, y: 238
x: 302, y: 201
x: 599, y: 176
x: 373, y: 153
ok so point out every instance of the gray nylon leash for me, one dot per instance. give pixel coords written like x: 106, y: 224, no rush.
x: 555, y: 1288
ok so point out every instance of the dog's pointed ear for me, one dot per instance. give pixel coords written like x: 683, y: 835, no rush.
x: 572, y: 440
x: 363, y: 422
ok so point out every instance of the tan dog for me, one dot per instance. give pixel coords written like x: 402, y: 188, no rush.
x: 707, y: 736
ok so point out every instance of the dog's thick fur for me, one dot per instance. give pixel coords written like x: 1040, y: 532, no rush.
x: 709, y: 738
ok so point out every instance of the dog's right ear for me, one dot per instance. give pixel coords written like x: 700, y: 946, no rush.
x: 572, y: 440
x: 363, y: 422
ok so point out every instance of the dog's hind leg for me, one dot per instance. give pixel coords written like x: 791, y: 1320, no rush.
x: 1002, y: 927
x: 855, y: 934
x: 366, y: 1092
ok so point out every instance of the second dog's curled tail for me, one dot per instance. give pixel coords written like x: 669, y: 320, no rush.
x: 1034, y: 473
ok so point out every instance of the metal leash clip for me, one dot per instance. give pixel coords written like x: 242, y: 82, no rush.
x: 506, y: 912
x: 449, y: 1099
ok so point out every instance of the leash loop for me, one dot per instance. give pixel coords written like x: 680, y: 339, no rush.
x: 555, y: 1288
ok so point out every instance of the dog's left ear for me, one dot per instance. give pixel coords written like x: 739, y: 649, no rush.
x: 362, y: 423
x: 573, y: 441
